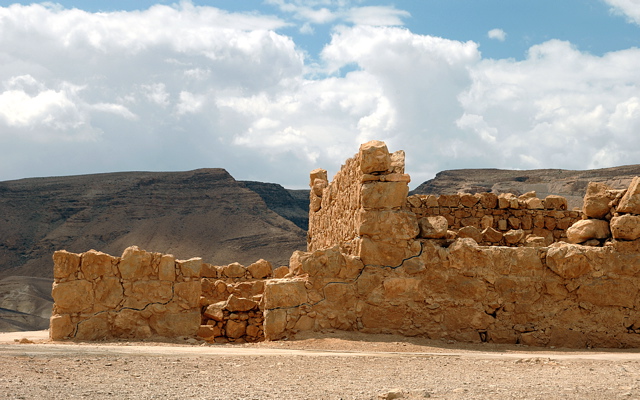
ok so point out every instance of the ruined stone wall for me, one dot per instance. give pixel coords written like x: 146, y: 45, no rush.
x: 502, y: 220
x: 139, y: 295
x: 564, y: 295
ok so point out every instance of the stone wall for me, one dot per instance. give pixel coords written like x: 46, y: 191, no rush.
x: 503, y: 220
x: 139, y: 295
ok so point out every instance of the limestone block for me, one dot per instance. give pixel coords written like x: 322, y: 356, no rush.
x: 630, y: 202
x: 234, y: 270
x: 529, y: 195
x: 135, y: 263
x: 374, y: 157
x: 130, y: 324
x: 465, y: 317
x: 507, y: 200
x: 280, y: 272
x: 206, y: 331
x: 190, y: 268
x: 468, y: 200
x: 395, y: 178
x: 315, y: 202
x: 60, y: 327
x: 109, y: 293
x: 305, y: 323
x: 240, y: 304
x: 486, y: 222
x: 514, y: 236
x: 430, y: 200
x: 388, y: 224
x: 383, y: 316
x: 488, y: 200
x: 284, y: 293
x: 65, y: 264
x: 260, y: 269
x: 72, y: 296
x: 415, y: 201
x: 534, y: 203
x: 397, y: 162
x: 381, y: 195
x: 502, y: 224
x: 555, y: 202
x: 514, y: 222
x: 491, y: 235
x: 175, y: 324
x: 248, y: 289
x: 275, y: 323
x: 625, y: 227
x: 449, y: 200
x: 586, y: 229
x: 167, y: 268
x: 235, y: 329
x: 433, y: 227
x: 140, y: 293
x: 568, y: 260
x: 389, y: 254
x: 596, y: 200
x: 470, y: 232
x: 94, y: 328
x: 317, y: 173
x: 535, y: 241
x: 608, y: 292
x: 94, y: 264
x: 215, y: 311
x: 187, y: 293
x: 318, y: 186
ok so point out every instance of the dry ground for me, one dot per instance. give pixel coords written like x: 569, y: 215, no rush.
x: 329, y: 366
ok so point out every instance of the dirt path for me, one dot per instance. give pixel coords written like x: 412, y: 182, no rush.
x: 333, y: 366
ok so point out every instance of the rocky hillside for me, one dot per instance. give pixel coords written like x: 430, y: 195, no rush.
x: 290, y: 204
x: 203, y: 213
x: 567, y: 183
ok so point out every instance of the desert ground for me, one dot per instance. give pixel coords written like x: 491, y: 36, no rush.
x: 334, y: 365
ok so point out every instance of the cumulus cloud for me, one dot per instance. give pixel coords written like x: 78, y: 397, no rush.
x: 497, y: 34
x: 182, y: 87
x: 629, y: 8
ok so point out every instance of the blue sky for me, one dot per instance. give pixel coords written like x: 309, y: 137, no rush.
x: 270, y: 89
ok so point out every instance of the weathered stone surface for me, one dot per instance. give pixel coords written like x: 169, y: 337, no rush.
x: 449, y: 200
x: 215, y: 311
x: 374, y: 157
x: 65, y: 264
x: 470, y: 232
x: 175, y: 324
x: 260, y: 269
x: 390, y: 254
x: 468, y: 200
x: 534, y: 203
x: 596, y: 200
x: 94, y: 328
x: 280, y: 272
x: 138, y: 294
x: 235, y: 329
x: 190, y: 268
x: 397, y: 162
x: 535, y: 241
x: 555, y: 202
x: 60, y: 327
x: 488, y: 200
x: 384, y: 195
x: 625, y: 227
x: 608, y: 292
x: 130, y: 324
x: 491, y: 235
x: 275, y: 323
x: 318, y: 187
x: 433, y: 227
x: 187, y: 294
x: 167, y: 268
x: 135, y: 263
x: 630, y: 202
x: 317, y: 173
x: 95, y: 264
x: 235, y: 304
x: 395, y: 223
x: 587, y: 229
x: 72, y: 296
x: 234, y: 270
x: 514, y: 236
x: 568, y: 261
x: 284, y: 293
x: 109, y: 292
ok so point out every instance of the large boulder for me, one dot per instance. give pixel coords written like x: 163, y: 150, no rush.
x: 587, y: 229
x: 630, y: 202
x: 596, y: 200
x: 374, y: 157
x: 433, y: 227
x: 626, y: 227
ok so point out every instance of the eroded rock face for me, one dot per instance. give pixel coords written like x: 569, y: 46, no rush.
x: 630, y: 202
x: 588, y: 229
x: 626, y: 227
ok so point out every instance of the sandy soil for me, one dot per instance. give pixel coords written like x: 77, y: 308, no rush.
x: 329, y: 366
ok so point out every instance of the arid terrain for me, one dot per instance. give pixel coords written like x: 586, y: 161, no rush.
x: 334, y: 365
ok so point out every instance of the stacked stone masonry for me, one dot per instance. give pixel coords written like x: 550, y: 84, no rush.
x: 469, y: 267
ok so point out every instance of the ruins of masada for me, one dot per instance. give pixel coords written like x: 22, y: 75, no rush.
x: 467, y: 267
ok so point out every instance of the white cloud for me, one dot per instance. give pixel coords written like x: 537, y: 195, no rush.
x: 376, y: 15
x: 629, y: 8
x: 497, y: 34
